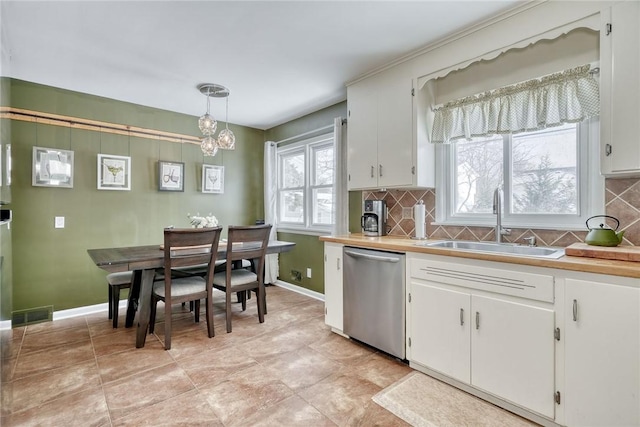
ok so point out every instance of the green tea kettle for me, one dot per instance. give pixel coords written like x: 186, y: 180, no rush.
x: 604, y: 235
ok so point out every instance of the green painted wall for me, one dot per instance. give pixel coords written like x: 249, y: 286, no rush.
x: 51, y: 266
x: 309, y: 251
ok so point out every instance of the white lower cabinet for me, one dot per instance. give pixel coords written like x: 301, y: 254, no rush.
x: 498, y: 344
x: 512, y: 352
x: 333, y: 285
x: 440, y: 324
x: 602, y: 354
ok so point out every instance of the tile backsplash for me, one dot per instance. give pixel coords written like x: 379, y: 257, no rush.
x: 622, y: 198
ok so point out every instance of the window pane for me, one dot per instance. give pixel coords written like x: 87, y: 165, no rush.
x: 544, y: 171
x: 292, y: 206
x: 323, y: 206
x: 323, y: 162
x: 293, y: 171
x: 478, y: 171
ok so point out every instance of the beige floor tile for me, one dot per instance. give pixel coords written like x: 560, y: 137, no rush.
x: 43, y: 340
x: 52, y: 358
x: 292, y: 411
x: 375, y: 415
x: 86, y: 408
x: 189, y: 409
x: 341, y: 397
x: 135, y: 392
x: 122, y: 340
x: 342, y: 349
x: 38, y: 389
x: 300, y: 368
x: 214, y: 366
x: 381, y: 369
x: 244, y: 392
x: 133, y: 361
x: 45, y: 327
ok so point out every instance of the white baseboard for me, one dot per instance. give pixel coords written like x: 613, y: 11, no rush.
x: 83, y: 311
x: 300, y: 290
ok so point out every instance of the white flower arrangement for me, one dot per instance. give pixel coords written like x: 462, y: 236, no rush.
x: 198, y: 221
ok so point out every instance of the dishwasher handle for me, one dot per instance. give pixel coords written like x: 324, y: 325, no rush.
x: 371, y: 257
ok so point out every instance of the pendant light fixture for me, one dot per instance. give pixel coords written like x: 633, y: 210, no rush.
x: 208, y: 125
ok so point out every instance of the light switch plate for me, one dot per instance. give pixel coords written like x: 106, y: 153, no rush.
x: 308, y: 273
x: 59, y: 222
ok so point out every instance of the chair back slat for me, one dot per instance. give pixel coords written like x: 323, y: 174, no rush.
x: 248, y: 242
x: 184, y: 247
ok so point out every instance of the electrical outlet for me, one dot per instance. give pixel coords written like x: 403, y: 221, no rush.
x: 296, y: 276
x: 308, y: 273
x: 407, y: 213
x: 58, y: 222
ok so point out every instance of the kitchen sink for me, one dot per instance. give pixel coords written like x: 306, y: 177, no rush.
x: 499, y: 248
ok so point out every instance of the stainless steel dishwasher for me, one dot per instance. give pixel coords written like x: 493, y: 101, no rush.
x: 374, y: 308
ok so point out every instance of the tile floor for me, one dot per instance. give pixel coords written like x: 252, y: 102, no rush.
x: 289, y: 371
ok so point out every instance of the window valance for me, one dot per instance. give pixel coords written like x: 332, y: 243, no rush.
x: 566, y: 97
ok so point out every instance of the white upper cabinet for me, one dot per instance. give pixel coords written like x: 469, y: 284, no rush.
x: 620, y: 90
x: 382, y: 152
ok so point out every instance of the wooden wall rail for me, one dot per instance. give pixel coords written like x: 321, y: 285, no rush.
x: 94, y: 125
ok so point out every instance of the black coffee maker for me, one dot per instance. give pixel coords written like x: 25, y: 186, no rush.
x: 374, y: 218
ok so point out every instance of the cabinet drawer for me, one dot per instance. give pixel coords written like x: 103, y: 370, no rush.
x: 507, y: 282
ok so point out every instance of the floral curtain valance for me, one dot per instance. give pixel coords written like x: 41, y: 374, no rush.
x: 566, y: 97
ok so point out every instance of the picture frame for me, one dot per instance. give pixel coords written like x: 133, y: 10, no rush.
x: 170, y: 176
x: 114, y: 172
x: 52, y: 167
x: 213, y: 179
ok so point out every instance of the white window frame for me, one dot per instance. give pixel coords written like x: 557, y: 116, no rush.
x: 590, y: 189
x: 307, y: 147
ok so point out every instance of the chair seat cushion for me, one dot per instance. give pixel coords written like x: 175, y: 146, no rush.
x: 180, y: 287
x: 120, y: 278
x: 238, y: 277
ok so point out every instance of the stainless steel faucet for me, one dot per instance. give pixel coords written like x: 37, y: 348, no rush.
x: 497, y: 210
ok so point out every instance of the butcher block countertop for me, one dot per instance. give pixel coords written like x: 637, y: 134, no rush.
x: 575, y: 263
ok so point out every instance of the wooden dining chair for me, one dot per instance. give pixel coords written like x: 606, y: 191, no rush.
x: 184, y: 248
x: 244, y: 243
x: 117, y: 282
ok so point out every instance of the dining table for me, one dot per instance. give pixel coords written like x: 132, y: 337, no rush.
x: 143, y: 261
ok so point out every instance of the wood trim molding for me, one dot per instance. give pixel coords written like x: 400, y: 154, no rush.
x: 94, y: 125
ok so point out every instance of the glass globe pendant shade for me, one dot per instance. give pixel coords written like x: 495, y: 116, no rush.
x: 227, y: 140
x: 207, y: 124
x: 209, y: 146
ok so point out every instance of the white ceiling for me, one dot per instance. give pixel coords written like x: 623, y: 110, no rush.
x: 280, y: 60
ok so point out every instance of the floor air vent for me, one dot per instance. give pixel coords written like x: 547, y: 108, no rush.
x: 31, y: 316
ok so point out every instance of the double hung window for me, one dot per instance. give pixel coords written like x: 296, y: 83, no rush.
x: 545, y: 175
x: 537, y: 141
x: 305, y: 185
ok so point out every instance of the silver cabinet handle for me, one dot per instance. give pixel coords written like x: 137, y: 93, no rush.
x: 371, y: 171
x: 380, y: 169
x: 338, y: 263
x: 372, y: 257
x: 607, y: 150
x: 575, y: 310
x: 477, y: 320
x: 462, y: 317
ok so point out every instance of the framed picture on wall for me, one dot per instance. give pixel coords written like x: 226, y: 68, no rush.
x: 114, y: 172
x: 170, y: 176
x: 212, y: 179
x: 52, y: 167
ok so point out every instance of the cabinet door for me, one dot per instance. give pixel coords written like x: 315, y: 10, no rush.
x: 333, y: 285
x: 620, y: 127
x: 439, y: 328
x: 395, y: 134
x: 362, y: 137
x: 512, y: 352
x: 602, y: 354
